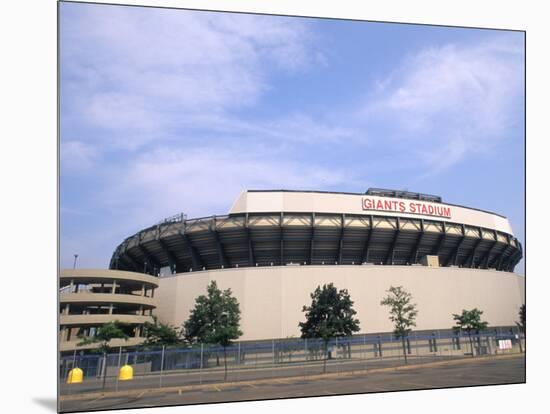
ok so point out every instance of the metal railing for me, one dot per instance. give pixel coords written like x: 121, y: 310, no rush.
x: 202, y: 363
x: 176, y: 218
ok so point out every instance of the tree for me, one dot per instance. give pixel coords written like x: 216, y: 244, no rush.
x: 470, y: 321
x: 103, y: 336
x: 521, y: 324
x: 214, y: 320
x: 329, y: 315
x: 402, y: 313
x: 160, y: 334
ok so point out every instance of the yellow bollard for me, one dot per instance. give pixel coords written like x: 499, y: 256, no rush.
x: 75, y: 376
x: 126, y: 373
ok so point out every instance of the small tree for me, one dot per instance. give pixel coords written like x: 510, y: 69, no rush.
x: 402, y: 313
x: 103, y: 336
x: 521, y: 324
x: 214, y: 320
x: 470, y: 321
x: 329, y: 315
x: 160, y: 334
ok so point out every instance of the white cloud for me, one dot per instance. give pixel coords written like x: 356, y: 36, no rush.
x: 292, y: 128
x: 452, y: 101
x: 77, y: 155
x: 206, y: 181
x: 132, y: 69
x: 162, y: 93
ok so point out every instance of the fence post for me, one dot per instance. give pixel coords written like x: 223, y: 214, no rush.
x: 336, y: 355
x: 365, y: 349
x: 305, y: 357
x: 273, y: 359
x: 519, y: 342
x: 238, y: 359
x: 202, y: 357
x: 98, y: 368
x: 161, y: 366
x: 118, y: 367
x: 104, y: 370
x: 74, y: 358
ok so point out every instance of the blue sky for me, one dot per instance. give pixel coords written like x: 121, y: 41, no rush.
x: 168, y: 111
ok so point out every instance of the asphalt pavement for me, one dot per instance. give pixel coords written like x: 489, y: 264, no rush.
x: 506, y: 369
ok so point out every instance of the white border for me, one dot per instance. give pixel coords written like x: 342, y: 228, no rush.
x: 28, y: 30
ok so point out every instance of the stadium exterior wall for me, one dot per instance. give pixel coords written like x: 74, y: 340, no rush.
x: 282, y: 227
x: 304, y: 202
x: 271, y: 298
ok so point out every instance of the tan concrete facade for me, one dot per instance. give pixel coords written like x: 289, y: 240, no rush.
x: 271, y: 298
x: 295, y: 201
x: 90, y: 298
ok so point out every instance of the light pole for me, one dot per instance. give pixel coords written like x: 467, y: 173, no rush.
x: 75, y: 257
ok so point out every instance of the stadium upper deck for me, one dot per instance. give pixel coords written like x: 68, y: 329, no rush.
x: 281, y: 227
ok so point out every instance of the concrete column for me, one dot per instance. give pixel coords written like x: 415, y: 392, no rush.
x: 113, y: 290
x: 66, y: 309
x: 143, y: 289
x: 110, y: 309
x: 153, y: 292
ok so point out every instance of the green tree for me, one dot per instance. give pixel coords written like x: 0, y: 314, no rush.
x: 214, y: 320
x: 330, y: 315
x: 103, y: 336
x: 469, y: 321
x: 521, y: 323
x: 160, y: 334
x: 402, y: 313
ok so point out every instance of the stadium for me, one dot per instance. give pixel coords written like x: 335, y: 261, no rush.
x: 274, y: 247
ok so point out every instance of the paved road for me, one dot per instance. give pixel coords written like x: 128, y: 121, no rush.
x: 450, y: 374
x: 216, y: 375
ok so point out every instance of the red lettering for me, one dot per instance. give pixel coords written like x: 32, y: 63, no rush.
x: 406, y: 207
x: 367, y: 203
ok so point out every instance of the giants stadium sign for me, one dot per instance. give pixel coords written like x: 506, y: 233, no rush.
x: 405, y: 206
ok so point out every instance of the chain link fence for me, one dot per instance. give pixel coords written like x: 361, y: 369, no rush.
x: 291, y: 357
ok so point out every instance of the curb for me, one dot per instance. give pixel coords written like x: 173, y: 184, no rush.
x: 220, y: 386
